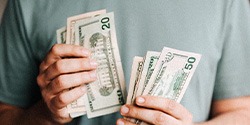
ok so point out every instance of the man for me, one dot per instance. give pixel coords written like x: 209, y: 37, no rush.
x: 35, y: 73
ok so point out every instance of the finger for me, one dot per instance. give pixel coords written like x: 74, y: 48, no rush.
x: 148, y: 115
x: 168, y: 106
x: 67, y: 97
x: 59, y: 51
x: 123, y: 122
x: 68, y: 81
x: 69, y: 66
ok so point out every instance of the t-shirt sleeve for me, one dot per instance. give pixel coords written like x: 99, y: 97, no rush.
x: 18, y: 67
x: 233, y: 74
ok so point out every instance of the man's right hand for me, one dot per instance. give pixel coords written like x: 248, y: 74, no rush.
x: 62, y: 78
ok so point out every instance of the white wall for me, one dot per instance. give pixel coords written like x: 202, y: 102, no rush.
x: 2, y: 6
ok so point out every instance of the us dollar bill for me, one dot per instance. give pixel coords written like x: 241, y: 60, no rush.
x: 150, y: 61
x: 77, y: 108
x: 61, y: 35
x: 172, y: 74
x: 136, y: 71
x: 136, y: 87
x: 71, y: 21
x: 107, y: 94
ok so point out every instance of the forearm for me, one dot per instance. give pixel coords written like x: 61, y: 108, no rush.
x: 36, y: 115
x: 239, y: 117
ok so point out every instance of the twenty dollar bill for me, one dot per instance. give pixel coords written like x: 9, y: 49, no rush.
x: 107, y: 94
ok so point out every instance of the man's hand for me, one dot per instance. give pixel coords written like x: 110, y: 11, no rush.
x: 157, y: 111
x: 62, y: 78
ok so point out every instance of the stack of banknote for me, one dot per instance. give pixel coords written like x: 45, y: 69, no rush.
x: 96, y: 31
x: 165, y: 74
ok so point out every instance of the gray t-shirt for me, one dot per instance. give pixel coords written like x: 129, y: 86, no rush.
x: 217, y: 29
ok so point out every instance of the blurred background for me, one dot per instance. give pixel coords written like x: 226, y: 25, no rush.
x: 2, y: 6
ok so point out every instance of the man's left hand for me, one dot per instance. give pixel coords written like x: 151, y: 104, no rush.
x: 157, y: 111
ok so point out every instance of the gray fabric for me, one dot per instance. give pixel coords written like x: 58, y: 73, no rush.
x: 217, y: 29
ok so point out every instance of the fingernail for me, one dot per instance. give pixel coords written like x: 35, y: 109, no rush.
x: 86, y: 52
x: 120, y: 122
x: 124, y: 109
x: 92, y: 74
x: 140, y: 100
x: 93, y: 63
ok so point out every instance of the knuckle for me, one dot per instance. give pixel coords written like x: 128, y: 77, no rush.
x: 160, y: 119
x: 61, y: 99
x: 135, y: 113
x: 59, y: 83
x: 55, y: 48
x: 170, y: 105
x: 59, y: 66
x: 39, y: 80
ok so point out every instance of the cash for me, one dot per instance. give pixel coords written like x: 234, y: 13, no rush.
x: 172, y: 74
x: 99, y: 35
x: 71, y: 21
x: 134, y: 78
x: 150, y: 61
x: 96, y: 31
x: 165, y: 74
x: 134, y: 81
x: 61, y: 35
